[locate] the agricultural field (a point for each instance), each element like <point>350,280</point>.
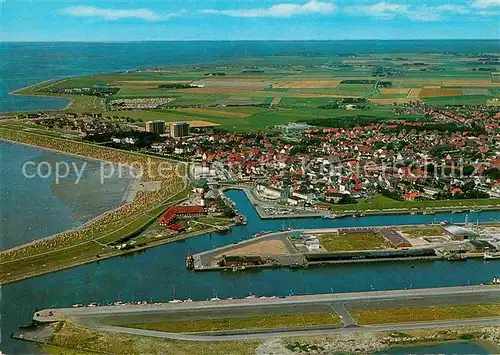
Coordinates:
<point>255,93</point>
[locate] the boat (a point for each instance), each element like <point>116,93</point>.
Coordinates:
<point>189,262</point>
<point>329,216</point>
<point>456,257</point>
<point>175,301</point>
<point>429,212</point>
<point>77,305</point>
<point>239,268</point>
<point>456,211</point>
<point>491,255</point>
<point>476,210</point>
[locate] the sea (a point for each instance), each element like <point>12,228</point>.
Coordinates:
<point>36,204</point>
<point>36,208</point>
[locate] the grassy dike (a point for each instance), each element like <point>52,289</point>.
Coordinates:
<point>381,204</point>
<point>257,322</point>
<point>72,339</point>
<point>79,340</point>
<point>79,246</point>
<point>425,314</point>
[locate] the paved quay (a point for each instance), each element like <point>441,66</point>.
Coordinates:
<point>294,212</point>
<point>110,318</point>
<point>207,260</point>
<point>444,295</point>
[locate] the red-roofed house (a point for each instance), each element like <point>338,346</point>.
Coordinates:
<point>183,211</point>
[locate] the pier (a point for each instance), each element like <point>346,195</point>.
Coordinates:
<point>113,318</point>
<point>286,249</point>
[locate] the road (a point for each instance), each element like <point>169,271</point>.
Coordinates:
<point>109,318</point>
<point>293,333</point>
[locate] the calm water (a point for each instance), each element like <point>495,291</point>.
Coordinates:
<point>25,64</point>
<point>38,207</point>
<point>159,273</point>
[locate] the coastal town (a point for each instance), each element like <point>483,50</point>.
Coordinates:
<point>451,155</point>
<point>369,176</point>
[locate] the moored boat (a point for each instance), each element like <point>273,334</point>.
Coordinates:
<point>329,216</point>
<point>491,255</point>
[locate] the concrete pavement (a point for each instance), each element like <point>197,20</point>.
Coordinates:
<point>114,316</point>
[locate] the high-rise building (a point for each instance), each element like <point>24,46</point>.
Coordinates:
<point>155,127</point>
<point>179,129</point>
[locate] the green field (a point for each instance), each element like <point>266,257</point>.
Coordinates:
<point>76,340</point>
<point>258,322</point>
<point>459,100</point>
<point>259,81</point>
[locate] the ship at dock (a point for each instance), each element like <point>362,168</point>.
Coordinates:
<point>491,255</point>
<point>189,262</point>
<point>455,257</point>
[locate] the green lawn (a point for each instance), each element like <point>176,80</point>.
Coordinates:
<point>423,231</point>
<point>436,313</point>
<point>379,202</point>
<point>352,241</point>
<point>215,221</point>
<point>77,340</point>
<point>258,322</point>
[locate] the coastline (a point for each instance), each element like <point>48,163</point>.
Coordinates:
<point>127,198</point>
<point>113,255</point>
<point>87,235</point>
<point>20,92</point>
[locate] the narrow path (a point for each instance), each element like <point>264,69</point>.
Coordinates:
<point>344,314</point>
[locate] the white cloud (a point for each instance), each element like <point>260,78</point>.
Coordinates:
<point>385,10</point>
<point>434,13</point>
<point>284,10</point>
<point>425,13</point>
<point>116,14</point>
<point>381,10</point>
<point>489,13</point>
<point>483,4</point>
<point>455,9</point>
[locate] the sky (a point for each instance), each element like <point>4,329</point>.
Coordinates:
<point>138,20</point>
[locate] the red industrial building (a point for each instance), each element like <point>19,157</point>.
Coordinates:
<point>396,239</point>
<point>180,211</point>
